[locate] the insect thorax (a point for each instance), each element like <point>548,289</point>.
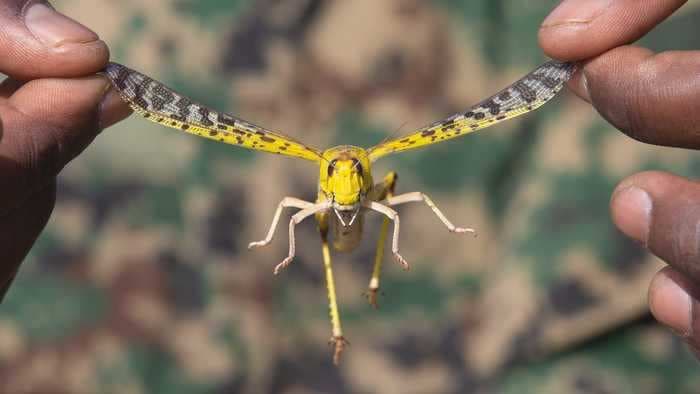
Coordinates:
<point>345,174</point>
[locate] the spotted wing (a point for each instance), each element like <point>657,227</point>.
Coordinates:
<point>525,95</point>
<point>158,103</point>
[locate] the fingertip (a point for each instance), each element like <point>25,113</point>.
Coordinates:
<point>578,84</point>
<point>577,30</point>
<point>556,41</point>
<point>632,202</point>
<point>54,29</point>
<point>112,109</point>
<point>631,212</point>
<point>62,102</point>
<point>565,34</point>
<point>37,41</point>
<point>670,303</point>
<point>672,230</point>
<point>67,61</point>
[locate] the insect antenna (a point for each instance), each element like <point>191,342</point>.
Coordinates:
<point>393,133</point>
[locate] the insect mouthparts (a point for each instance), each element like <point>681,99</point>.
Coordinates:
<point>340,217</point>
<point>344,216</point>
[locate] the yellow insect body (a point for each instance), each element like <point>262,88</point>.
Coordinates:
<point>346,188</point>
<point>345,178</point>
<point>345,174</point>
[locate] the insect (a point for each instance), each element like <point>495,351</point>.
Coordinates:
<point>346,189</point>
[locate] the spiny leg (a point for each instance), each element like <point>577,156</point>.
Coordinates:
<point>392,215</point>
<point>385,190</point>
<point>417,197</point>
<point>337,339</point>
<point>296,219</point>
<point>287,202</point>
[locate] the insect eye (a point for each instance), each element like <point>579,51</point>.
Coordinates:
<point>331,167</point>
<point>356,164</point>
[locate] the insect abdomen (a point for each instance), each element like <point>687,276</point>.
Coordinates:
<point>346,238</point>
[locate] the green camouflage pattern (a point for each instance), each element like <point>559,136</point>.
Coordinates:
<point>142,283</point>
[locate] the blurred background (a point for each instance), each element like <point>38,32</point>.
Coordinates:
<point>142,282</point>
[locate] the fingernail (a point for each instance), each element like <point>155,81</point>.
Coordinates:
<point>575,12</point>
<point>583,84</point>
<point>670,304</point>
<point>631,212</point>
<point>579,84</point>
<point>55,29</point>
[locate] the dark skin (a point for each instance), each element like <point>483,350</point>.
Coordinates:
<point>651,98</point>
<point>49,120</point>
<point>52,106</point>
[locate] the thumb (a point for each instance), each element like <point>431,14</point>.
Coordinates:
<point>37,41</point>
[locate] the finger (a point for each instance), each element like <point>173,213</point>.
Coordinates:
<point>651,98</point>
<point>48,123</point>
<point>67,102</point>
<point>662,211</point>
<point>37,41</point>
<point>673,300</point>
<point>578,30</point>
<point>20,228</point>
<point>112,109</point>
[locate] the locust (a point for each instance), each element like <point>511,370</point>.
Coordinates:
<point>346,188</point>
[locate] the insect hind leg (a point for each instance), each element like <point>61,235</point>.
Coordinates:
<point>337,339</point>
<point>384,190</point>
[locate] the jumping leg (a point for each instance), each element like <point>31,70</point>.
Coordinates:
<point>337,340</point>
<point>384,190</point>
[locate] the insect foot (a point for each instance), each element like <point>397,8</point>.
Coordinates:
<point>282,265</point>
<point>371,295</point>
<point>339,344</point>
<point>401,261</point>
<point>462,230</point>
<point>257,244</point>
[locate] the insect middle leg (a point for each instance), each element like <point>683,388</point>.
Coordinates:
<point>337,339</point>
<point>392,215</point>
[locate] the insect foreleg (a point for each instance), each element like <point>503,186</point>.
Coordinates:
<point>287,202</point>
<point>296,219</point>
<point>417,197</point>
<point>392,215</point>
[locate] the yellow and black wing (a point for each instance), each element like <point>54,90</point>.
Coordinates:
<point>525,95</point>
<point>158,103</point>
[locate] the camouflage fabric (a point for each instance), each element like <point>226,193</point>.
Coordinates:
<point>142,283</point>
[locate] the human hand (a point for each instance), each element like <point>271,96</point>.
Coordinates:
<point>51,107</point>
<point>652,98</point>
